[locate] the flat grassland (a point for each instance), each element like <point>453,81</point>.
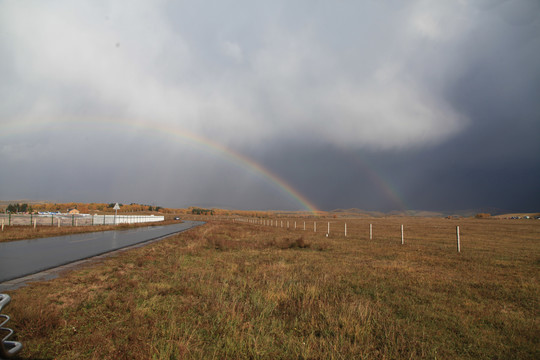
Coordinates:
<point>242,291</point>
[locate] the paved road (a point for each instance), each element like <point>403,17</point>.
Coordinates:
<point>25,257</point>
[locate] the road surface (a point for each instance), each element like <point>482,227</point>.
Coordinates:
<point>26,257</point>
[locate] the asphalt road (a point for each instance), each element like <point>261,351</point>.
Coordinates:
<point>26,257</point>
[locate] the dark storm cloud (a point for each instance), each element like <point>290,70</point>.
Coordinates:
<point>493,162</point>
<point>376,105</point>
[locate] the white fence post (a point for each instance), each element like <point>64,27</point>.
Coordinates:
<point>345,229</point>
<point>314,226</point>
<point>370,231</point>
<point>458,243</point>
<point>402,239</point>
<point>328,232</point>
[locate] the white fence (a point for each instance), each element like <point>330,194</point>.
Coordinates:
<point>124,219</point>
<point>75,220</point>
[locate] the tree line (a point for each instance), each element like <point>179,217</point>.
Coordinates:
<point>19,208</point>
<point>83,208</point>
<point>199,211</point>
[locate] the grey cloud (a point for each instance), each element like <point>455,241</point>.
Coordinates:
<point>437,97</point>
<point>306,80</point>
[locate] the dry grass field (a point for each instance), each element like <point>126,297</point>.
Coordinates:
<point>242,291</point>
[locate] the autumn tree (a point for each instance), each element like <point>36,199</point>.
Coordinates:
<point>18,208</point>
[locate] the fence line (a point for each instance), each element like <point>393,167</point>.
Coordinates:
<point>268,223</point>
<point>75,219</point>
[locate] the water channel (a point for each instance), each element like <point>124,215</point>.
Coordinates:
<point>26,257</point>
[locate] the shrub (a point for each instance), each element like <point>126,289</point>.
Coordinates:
<point>482,215</point>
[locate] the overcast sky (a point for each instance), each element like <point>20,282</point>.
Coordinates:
<point>377,105</point>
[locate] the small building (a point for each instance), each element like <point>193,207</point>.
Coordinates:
<point>73,211</point>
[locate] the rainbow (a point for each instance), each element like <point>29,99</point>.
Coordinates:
<point>241,160</point>
<point>377,180</point>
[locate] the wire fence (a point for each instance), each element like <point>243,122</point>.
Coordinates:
<point>74,219</point>
<point>515,237</point>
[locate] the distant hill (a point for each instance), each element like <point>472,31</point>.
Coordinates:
<point>419,213</point>
<point>342,213</point>
<point>424,213</point>
<point>4,203</point>
<point>365,213</point>
<point>473,212</point>
<point>357,213</point>
<point>24,201</point>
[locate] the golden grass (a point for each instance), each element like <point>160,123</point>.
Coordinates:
<point>240,291</point>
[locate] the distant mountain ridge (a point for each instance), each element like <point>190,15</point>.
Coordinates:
<point>342,212</point>
<point>423,213</point>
